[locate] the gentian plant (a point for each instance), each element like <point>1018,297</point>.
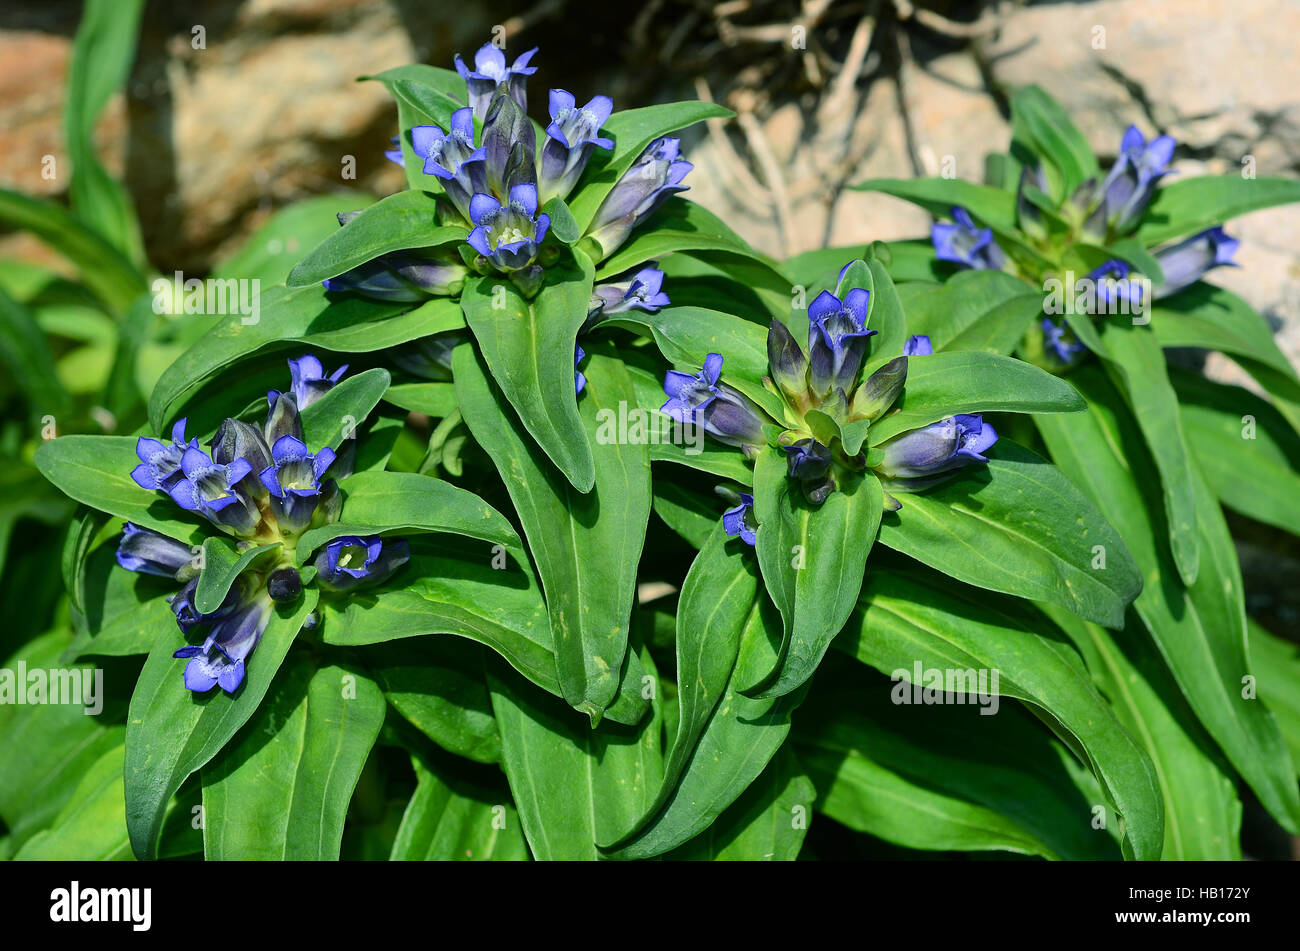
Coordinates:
<point>582,530</point>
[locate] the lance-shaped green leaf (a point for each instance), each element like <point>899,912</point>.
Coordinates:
<point>128,612</point>
<point>1200,630</point>
<point>972,310</point>
<point>92,826</point>
<point>887,763</point>
<point>1260,476</point>
<point>426,95</point>
<point>384,503</point>
<point>632,131</point>
<point>26,356</point>
<point>767,823</point>
<point>1278,663</point>
<point>813,558</point>
<point>529,349</point>
<point>574,784</point>
<point>717,598</point>
<point>96,471</point>
<point>1138,364</point>
<point>281,789</point>
<point>905,623</point>
<point>335,416</point>
<point>742,737</point>
<point>458,815</point>
<point>1202,811</point>
<point>400,222</point>
<point>886,319</point>
<point>681,225</point>
<point>437,400</point>
<point>171,733</point>
<point>1038,121</point>
<point>1194,204</point>
<point>223,562</point>
<point>939,196</point>
<point>944,384</point>
<point>1019,526</point>
<point>586,546</point>
<point>307,317</point>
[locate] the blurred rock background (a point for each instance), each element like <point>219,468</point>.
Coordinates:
<point>210,140</point>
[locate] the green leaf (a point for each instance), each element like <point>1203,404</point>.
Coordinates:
<point>334,417</point>
<point>1189,205</point>
<point>681,225</point>
<point>48,748</point>
<point>92,826</point>
<point>529,349</point>
<point>1278,663</point>
<point>1135,358</point>
<point>271,252</point>
<point>399,222</point>
<point>1259,478</point>
<point>632,131</point>
<point>1039,117</point>
<point>813,558</point>
<point>574,784</point>
<point>939,196</point>
<point>767,823</point>
<point>280,790</point>
<point>586,546</point>
<point>426,95</point>
<point>380,502</point>
<point>128,612</point>
<point>437,400</point>
<point>112,278</point>
<point>223,562</point>
<point>171,733</point>
<point>96,471</point>
<point>25,354</point>
<point>943,384</point>
<point>563,226</point>
<point>1202,811</point>
<point>742,737</point>
<point>102,53</point>
<point>457,815</point>
<point>1201,630</point>
<point>906,622</point>
<point>717,598</point>
<point>1020,527</point>
<point>972,310</point>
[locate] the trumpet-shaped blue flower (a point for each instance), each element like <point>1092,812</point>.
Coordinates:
<point>490,71</point>
<point>579,381</point>
<point>1130,184</point>
<point>642,291</point>
<point>211,489</point>
<point>294,481</point>
<point>1060,343</point>
<point>508,235</point>
<point>160,463</point>
<point>918,346</point>
<point>837,339</point>
<point>937,449</point>
<point>151,553</point>
<point>726,415</point>
<point>570,138</point>
<point>653,177</point>
<point>1113,285</point>
<point>453,158</point>
<point>740,520</point>
<point>964,244</point>
<point>221,659</point>
<point>1187,262</point>
<point>350,561</point>
<point>308,381</point>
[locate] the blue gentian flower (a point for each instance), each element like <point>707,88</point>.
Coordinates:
<point>655,175</point>
<point>964,244</point>
<point>394,154</point>
<point>1060,343</point>
<point>308,381</point>
<point>402,277</point>
<point>579,381</point>
<point>1113,285</point>
<point>1130,184</point>
<point>490,71</point>
<point>937,449</point>
<point>726,415</point>
<point>809,461</point>
<point>787,363</point>
<point>837,339</point>
<point>740,520</point>
<point>151,553</point>
<point>508,235</point>
<point>187,615</point>
<point>160,463</point>
<point>643,291</point>
<point>350,561</point>
<point>570,138</point>
<point>1187,262</point>
<point>210,488</point>
<point>452,157</point>
<point>918,346</point>
<point>294,481</point>
<point>221,659</point>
